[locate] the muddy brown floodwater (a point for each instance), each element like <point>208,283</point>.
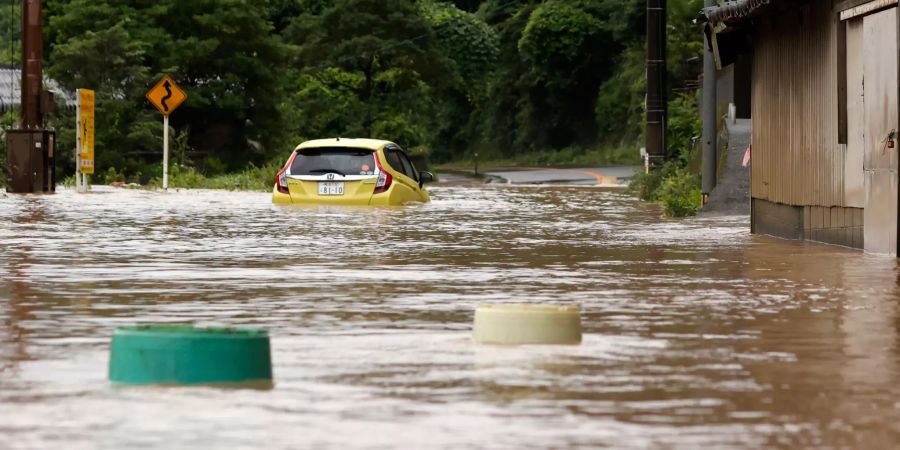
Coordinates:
<point>697,333</point>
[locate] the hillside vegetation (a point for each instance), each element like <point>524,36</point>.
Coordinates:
<point>554,80</point>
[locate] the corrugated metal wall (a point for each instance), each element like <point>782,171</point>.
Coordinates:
<point>796,156</point>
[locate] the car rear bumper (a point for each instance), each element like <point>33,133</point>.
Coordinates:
<point>384,199</point>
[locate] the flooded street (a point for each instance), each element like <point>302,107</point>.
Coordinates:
<point>696,333</point>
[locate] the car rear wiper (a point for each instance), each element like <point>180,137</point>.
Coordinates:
<point>328,171</point>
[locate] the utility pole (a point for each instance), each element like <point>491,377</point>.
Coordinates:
<point>657,108</point>
<point>32,64</point>
<point>709,116</point>
<point>30,149</point>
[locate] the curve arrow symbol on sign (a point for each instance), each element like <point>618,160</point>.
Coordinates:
<point>167,96</point>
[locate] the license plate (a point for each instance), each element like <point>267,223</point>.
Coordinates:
<point>331,188</point>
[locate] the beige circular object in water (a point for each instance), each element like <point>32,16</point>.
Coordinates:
<point>527,324</point>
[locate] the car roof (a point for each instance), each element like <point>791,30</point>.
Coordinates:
<point>371,144</point>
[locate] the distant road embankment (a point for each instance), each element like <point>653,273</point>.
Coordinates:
<point>583,176</point>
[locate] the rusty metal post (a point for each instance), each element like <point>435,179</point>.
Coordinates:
<point>709,116</point>
<point>30,150</point>
<point>32,64</point>
<point>656,79</point>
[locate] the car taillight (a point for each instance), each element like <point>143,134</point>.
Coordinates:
<point>281,179</point>
<point>384,178</point>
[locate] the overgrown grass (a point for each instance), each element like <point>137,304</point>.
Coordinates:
<point>250,179</point>
<point>181,177</point>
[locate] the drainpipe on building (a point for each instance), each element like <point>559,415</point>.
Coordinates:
<point>709,116</point>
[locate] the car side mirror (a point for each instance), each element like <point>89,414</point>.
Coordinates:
<point>425,177</point>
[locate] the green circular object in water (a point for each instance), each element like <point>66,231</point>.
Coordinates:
<point>179,354</point>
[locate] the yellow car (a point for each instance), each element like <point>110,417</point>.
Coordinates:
<point>350,172</point>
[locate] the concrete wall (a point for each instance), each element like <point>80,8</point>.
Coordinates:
<point>724,88</point>
<point>733,86</point>
<point>834,225</point>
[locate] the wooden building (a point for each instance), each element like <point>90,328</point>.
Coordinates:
<point>824,100</point>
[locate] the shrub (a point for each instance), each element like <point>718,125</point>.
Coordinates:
<point>675,187</point>
<point>3,163</point>
<point>647,185</point>
<point>680,193</point>
<point>675,184</point>
<point>111,175</point>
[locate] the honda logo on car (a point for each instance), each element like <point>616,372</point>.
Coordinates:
<point>330,176</point>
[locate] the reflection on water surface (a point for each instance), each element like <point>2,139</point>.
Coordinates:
<point>696,332</point>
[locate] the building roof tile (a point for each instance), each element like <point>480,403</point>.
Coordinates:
<point>733,11</point>
<point>11,90</point>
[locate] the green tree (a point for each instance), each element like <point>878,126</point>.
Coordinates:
<point>619,107</point>
<point>569,47</point>
<point>224,53</point>
<point>502,76</point>
<point>102,46</point>
<point>469,5</point>
<point>498,122</point>
<point>472,47</point>
<point>369,67</point>
<point>555,55</point>
<point>470,43</point>
<point>10,29</point>
<point>684,41</point>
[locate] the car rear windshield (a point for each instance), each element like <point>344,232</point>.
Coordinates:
<point>339,160</point>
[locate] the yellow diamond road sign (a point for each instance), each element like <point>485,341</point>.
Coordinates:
<point>166,96</point>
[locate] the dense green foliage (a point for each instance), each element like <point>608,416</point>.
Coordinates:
<point>555,81</point>
<point>10,11</point>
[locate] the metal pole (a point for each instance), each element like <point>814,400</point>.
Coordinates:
<point>656,79</point>
<point>78,143</point>
<point>29,164</point>
<point>32,64</point>
<point>165,152</point>
<point>709,116</point>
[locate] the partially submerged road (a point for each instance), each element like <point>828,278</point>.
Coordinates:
<point>589,176</point>
<point>697,334</point>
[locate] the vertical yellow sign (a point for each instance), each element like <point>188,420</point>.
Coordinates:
<point>86,130</point>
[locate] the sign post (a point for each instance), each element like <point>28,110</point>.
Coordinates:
<point>78,143</point>
<point>166,152</point>
<point>84,139</point>
<point>166,96</point>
